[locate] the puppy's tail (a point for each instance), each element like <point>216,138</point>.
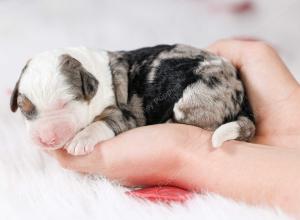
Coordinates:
<point>242,129</point>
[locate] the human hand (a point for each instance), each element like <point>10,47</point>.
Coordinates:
<point>273,92</point>
<point>151,155</point>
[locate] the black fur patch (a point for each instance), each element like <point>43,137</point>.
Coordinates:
<point>140,61</point>
<point>172,77</point>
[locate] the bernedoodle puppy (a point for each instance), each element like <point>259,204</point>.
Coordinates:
<point>78,97</point>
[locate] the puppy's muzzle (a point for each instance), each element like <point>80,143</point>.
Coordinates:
<point>53,131</point>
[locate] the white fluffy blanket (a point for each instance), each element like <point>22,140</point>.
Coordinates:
<point>33,186</point>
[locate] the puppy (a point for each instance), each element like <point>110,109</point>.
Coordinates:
<point>78,97</point>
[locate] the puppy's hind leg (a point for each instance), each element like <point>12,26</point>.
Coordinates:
<point>197,107</point>
<point>201,108</point>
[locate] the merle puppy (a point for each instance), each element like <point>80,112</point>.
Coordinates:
<point>77,97</point>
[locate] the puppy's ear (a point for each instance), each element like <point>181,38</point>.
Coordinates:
<point>89,84</point>
<point>15,93</point>
<point>14,98</point>
<point>69,63</point>
<point>84,83</point>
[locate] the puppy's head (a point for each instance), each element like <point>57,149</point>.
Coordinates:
<point>53,94</point>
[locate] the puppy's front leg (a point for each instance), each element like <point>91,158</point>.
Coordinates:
<point>111,122</point>
<point>85,140</point>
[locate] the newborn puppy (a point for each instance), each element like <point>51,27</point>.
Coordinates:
<point>78,97</point>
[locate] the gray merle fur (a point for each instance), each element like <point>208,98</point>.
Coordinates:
<point>177,82</point>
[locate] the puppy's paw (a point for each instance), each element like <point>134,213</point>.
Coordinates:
<point>84,142</point>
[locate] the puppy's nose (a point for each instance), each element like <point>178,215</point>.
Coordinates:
<point>48,140</point>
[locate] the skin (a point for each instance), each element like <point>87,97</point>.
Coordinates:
<point>265,171</point>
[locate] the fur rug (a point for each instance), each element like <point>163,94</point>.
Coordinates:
<point>33,186</point>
